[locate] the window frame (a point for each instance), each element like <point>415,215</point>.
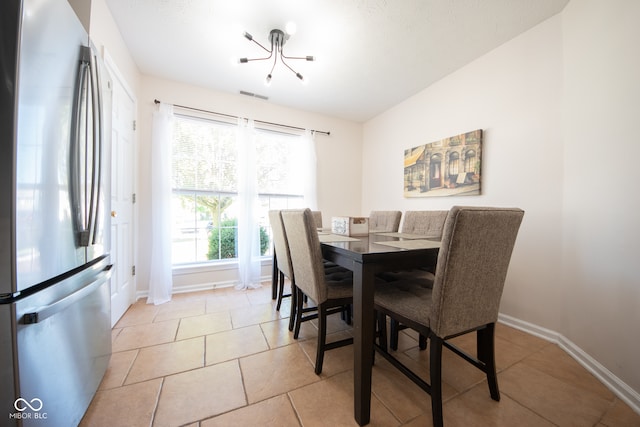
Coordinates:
<point>267,201</point>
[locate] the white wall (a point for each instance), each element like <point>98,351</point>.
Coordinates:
<point>601,230</point>
<point>514,95</point>
<point>338,157</point>
<point>558,105</point>
<point>106,37</point>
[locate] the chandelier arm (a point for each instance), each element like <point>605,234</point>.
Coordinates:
<point>282,58</point>
<point>292,70</point>
<point>307,58</point>
<point>244,60</point>
<point>257,59</point>
<point>275,60</point>
<point>267,50</point>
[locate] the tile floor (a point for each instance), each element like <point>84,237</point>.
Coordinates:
<point>226,358</point>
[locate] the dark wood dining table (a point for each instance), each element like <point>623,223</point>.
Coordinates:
<point>366,256</point>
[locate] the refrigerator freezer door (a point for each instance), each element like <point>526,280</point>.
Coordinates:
<point>51,44</point>
<point>64,345</point>
<point>7,377</point>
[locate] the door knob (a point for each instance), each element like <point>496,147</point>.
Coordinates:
<point>114,214</point>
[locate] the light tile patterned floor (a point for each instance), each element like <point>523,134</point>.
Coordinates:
<point>226,358</point>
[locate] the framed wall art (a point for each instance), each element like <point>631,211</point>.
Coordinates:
<point>449,167</point>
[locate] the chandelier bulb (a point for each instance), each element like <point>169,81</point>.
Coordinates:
<point>267,80</point>
<point>291,28</point>
<point>248,36</point>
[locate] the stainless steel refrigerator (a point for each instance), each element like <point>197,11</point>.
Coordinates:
<point>55,337</point>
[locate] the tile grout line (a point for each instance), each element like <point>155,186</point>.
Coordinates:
<point>293,406</point>
<point>157,403</point>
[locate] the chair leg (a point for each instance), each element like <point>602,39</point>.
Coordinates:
<point>435,371</point>
<point>486,354</point>
<point>274,276</point>
<point>382,330</point>
<point>347,314</point>
<point>299,302</point>
<point>322,337</point>
<point>393,334</point>
<point>422,342</point>
<point>292,312</point>
<point>280,290</point>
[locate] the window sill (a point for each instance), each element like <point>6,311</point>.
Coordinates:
<point>179,270</point>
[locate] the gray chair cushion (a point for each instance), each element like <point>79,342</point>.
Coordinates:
<point>424,277</point>
<point>409,298</point>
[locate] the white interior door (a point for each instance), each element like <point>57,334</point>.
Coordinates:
<point>122,196</point>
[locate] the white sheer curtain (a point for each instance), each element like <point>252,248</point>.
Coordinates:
<point>309,161</point>
<point>160,277</point>
<point>248,226</point>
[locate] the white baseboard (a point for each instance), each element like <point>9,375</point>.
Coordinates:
<point>618,387</point>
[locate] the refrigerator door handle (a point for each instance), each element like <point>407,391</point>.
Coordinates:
<point>43,313</point>
<point>79,163</point>
<point>97,144</point>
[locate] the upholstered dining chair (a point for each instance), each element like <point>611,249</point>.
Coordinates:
<point>332,292</point>
<point>317,218</point>
<point>384,221</point>
<point>428,223</point>
<point>283,260</point>
<point>472,266</point>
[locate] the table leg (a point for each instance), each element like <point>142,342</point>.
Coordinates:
<point>363,325</point>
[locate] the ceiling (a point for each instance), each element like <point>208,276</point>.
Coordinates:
<point>370,54</point>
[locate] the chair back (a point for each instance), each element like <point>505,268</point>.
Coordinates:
<point>472,266</point>
<point>428,223</point>
<point>317,218</point>
<point>280,243</point>
<point>306,253</point>
<point>384,221</point>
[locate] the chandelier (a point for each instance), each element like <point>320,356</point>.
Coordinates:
<point>277,38</point>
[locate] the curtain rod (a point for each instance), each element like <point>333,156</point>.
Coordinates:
<point>156,101</point>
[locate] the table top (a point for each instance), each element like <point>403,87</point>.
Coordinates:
<point>377,246</point>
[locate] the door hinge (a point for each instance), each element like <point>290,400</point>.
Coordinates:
<point>133,270</point>
<point>133,198</point>
<point>134,125</point>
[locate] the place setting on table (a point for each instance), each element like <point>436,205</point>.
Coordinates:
<point>356,229</point>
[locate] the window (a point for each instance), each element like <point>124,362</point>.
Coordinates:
<point>454,163</point>
<point>205,187</point>
<point>470,162</point>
